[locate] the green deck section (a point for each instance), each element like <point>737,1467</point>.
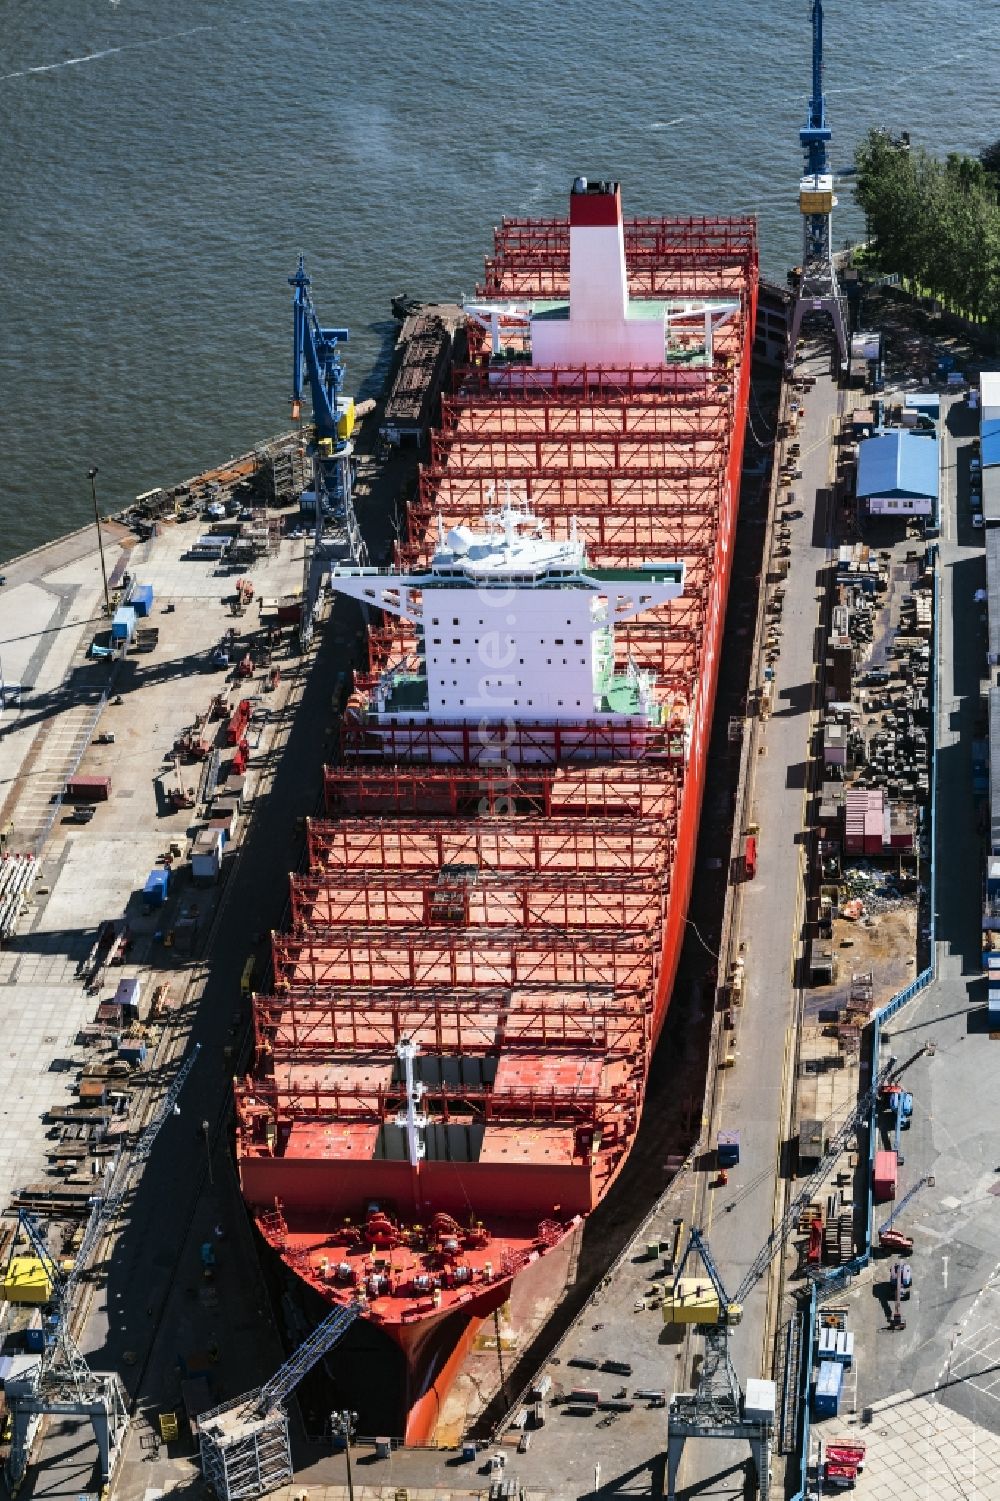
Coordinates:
<point>650,573</point>
<point>622,697</point>
<point>408,695</point>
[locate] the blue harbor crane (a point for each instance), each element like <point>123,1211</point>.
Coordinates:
<point>316,353</point>
<point>316,361</point>
<point>818,291</point>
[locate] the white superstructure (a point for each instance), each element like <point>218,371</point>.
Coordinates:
<point>512,624</point>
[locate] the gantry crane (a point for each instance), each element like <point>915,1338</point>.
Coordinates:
<point>818,291</point>
<point>62,1384</point>
<point>716,1408</point>
<point>244,1444</point>
<point>316,361</point>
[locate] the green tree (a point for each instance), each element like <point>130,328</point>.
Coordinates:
<point>935,223</point>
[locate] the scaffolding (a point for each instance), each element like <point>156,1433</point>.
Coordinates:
<point>244,1444</point>
<point>488,904</point>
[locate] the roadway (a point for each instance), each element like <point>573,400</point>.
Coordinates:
<point>755,1095</point>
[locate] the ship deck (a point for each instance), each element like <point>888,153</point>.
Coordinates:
<point>511,920</point>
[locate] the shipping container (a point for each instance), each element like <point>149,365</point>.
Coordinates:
<point>127,996</point>
<point>236,726</point>
<point>154,893</point>
<point>750,857</point>
<point>728,1148</point>
<point>829,1383</point>
<point>836,1344</point>
<point>84,789</point>
<point>34,1333</point>
<point>206,856</point>
<point>141,599</point>
<point>884,1184</point>
<point>123,624</point>
<point>759,1401</point>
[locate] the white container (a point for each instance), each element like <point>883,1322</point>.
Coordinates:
<point>759,1404</point>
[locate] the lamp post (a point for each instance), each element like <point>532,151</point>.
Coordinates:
<point>92,476</point>
<point>206,1131</point>
<point>343,1425</point>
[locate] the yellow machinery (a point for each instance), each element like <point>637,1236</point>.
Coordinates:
<point>27,1280</point>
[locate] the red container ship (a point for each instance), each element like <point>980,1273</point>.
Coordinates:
<point>450,1071</point>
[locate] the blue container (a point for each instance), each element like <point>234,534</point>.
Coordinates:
<point>829,1382</point>
<point>123,624</point>
<point>141,599</point>
<point>155,890</point>
<point>728,1148</point>
<point>34,1334</point>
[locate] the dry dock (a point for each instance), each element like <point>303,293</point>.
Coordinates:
<point>153,1315</point>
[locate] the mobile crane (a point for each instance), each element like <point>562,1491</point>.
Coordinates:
<point>894,1240</point>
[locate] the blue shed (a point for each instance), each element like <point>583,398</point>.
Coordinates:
<point>898,473</point>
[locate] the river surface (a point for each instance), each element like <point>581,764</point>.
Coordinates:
<point>162,164</point>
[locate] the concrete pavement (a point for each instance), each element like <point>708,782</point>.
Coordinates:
<point>754,1097</point>
<point>927,1398</point>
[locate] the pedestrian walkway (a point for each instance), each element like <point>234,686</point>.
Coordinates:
<point>926,1450</point>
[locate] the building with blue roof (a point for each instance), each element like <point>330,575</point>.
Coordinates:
<point>898,473</point>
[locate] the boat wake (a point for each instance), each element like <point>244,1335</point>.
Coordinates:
<point>93,57</point>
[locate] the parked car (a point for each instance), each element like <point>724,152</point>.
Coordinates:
<point>977,520</point>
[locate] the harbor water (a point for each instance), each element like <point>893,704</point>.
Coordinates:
<point>161,167</point>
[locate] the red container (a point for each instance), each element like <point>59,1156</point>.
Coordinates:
<point>750,856</point>
<point>884,1185</point>
<point>81,789</point>
<point>239,722</point>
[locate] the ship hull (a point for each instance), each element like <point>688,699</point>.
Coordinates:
<point>451,1073</point>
